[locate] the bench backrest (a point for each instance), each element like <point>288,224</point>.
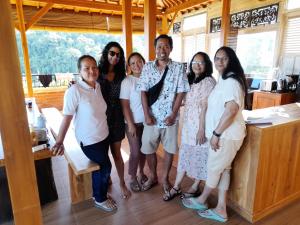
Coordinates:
<point>73,153</point>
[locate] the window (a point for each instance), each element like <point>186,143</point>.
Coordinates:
<point>292,36</point>
<point>176,52</point>
<point>256,53</point>
<point>214,45</point>
<point>293,4</point>
<point>189,48</point>
<point>200,43</point>
<point>193,22</point>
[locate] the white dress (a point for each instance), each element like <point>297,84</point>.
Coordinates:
<point>193,157</point>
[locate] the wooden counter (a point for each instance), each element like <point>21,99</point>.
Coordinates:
<point>266,170</point>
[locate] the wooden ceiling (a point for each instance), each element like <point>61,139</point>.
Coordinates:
<point>70,13</point>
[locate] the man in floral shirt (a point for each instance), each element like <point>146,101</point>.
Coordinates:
<point>161,119</point>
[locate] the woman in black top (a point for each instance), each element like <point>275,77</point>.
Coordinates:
<point>112,67</point>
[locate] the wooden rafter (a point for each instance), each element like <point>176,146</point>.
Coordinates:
<point>185,5</point>
<point>94,5</point>
<point>38,15</point>
<point>172,21</point>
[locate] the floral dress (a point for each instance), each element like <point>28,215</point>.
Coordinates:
<point>193,157</point>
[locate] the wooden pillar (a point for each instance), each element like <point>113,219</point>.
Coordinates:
<point>164,25</point>
<point>127,26</point>
<point>19,7</point>
<point>150,28</point>
<point>14,129</point>
<point>225,25</point>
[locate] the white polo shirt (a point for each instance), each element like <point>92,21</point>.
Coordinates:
<point>88,107</point>
<point>225,91</point>
<point>129,92</point>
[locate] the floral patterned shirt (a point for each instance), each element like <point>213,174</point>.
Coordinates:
<point>175,82</point>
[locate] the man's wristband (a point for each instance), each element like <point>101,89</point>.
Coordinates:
<point>216,134</point>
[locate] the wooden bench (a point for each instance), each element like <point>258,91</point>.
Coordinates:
<point>79,166</point>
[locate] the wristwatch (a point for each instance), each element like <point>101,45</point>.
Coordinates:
<point>216,134</point>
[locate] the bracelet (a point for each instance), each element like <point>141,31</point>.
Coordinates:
<point>216,134</point>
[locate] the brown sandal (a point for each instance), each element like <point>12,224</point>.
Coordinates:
<point>172,193</point>
<point>135,186</point>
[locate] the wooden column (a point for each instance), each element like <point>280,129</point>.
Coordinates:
<point>127,26</point>
<point>14,129</point>
<point>150,28</point>
<point>164,25</point>
<point>19,8</point>
<point>225,25</point>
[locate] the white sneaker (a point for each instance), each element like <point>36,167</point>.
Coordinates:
<point>107,205</point>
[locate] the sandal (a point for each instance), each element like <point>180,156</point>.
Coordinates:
<point>142,179</point>
<point>190,194</point>
<point>149,184</point>
<point>172,193</point>
<point>135,186</point>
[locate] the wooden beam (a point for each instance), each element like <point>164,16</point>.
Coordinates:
<point>81,30</point>
<point>20,14</point>
<point>38,15</point>
<point>150,28</point>
<point>127,26</point>
<point>225,24</point>
<point>185,5</point>
<point>14,129</point>
<point>172,22</point>
<point>95,5</point>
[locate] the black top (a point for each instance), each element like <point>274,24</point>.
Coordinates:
<point>115,119</point>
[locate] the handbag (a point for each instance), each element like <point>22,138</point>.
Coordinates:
<point>154,92</point>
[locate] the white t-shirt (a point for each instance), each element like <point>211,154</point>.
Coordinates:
<point>89,108</point>
<point>225,91</point>
<point>129,92</point>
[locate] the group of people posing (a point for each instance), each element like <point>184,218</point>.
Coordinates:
<point>106,104</point>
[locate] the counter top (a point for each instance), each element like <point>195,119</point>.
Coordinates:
<point>277,115</point>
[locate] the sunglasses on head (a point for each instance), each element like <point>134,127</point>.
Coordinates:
<point>112,54</point>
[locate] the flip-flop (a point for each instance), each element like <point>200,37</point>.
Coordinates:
<point>191,203</point>
<point>149,184</point>
<point>212,215</point>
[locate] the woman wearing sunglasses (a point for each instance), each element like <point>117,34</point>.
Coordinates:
<point>193,151</point>
<point>112,67</point>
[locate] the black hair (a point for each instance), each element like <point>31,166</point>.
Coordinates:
<point>81,58</point>
<point>207,72</point>
<point>119,68</point>
<point>164,36</point>
<point>135,54</point>
<point>234,66</point>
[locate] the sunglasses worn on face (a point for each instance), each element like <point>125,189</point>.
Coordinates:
<point>112,54</point>
<point>198,63</point>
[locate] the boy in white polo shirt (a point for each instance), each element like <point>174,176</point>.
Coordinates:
<point>85,102</point>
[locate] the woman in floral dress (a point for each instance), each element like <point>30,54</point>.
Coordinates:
<point>193,151</point>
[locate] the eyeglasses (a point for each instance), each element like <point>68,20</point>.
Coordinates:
<point>220,59</point>
<point>112,54</point>
<point>198,63</point>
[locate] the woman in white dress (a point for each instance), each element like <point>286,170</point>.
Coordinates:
<point>193,151</point>
<point>225,128</point>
